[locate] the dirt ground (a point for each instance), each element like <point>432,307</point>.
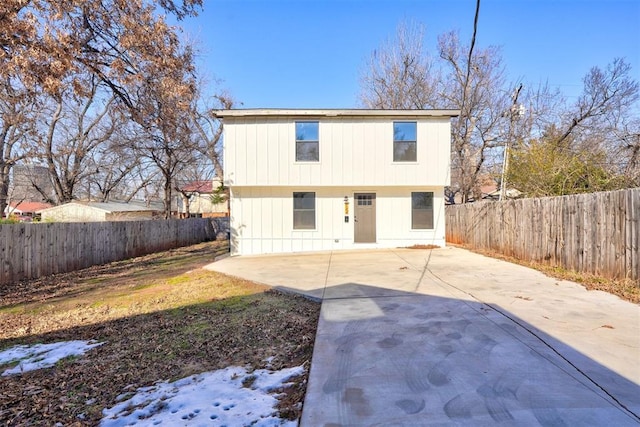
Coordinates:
<point>162,318</point>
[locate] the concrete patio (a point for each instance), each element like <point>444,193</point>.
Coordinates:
<point>446,336</point>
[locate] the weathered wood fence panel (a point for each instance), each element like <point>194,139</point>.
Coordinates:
<point>596,233</point>
<point>29,251</point>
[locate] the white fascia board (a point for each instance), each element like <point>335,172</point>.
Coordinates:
<point>276,112</point>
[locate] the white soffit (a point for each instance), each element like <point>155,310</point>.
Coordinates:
<point>276,112</point>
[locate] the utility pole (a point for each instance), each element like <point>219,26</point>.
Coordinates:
<point>515,112</point>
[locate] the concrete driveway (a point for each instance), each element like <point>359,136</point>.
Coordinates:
<point>439,337</point>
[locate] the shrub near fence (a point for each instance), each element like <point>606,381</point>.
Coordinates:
<point>596,233</point>
<point>29,251</point>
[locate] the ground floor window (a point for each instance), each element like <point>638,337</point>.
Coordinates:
<point>304,210</point>
<point>422,210</point>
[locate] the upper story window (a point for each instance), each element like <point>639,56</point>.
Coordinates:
<point>405,141</point>
<point>307,142</point>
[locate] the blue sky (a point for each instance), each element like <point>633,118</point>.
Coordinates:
<point>310,53</point>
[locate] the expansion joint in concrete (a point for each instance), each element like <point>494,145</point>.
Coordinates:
<point>326,276</point>
<point>542,340</point>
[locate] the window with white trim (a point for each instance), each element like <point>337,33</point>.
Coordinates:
<point>307,142</point>
<point>304,210</point>
<point>422,210</point>
<point>405,141</point>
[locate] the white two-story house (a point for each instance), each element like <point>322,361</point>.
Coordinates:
<point>309,180</point>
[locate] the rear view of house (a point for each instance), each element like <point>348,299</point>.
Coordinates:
<point>303,180</point>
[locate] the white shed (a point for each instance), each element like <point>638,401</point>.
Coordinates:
<point>98,211</point>
<point>304,180</point>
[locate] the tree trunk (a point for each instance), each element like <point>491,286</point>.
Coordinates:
<point>4,187</point>
<point>167,199</point>
<point>187,205</point>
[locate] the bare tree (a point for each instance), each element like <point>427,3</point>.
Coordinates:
<point>542,106</point>
<point>168,139</point>
<point>627,150</point>
<point>129,51</point>
<point>603,119</point>
<point>606,94</point>
<point>471,79</point>
<point>591,145</point>
<point>209,130</point>
<point>170,151</point>
<point>76,128</point>
<point>475,85</point>
<point>399,75</point>
<point>402,75</point>
<point>16,114</point>
<point>206,161</point>
<point>116,165</point>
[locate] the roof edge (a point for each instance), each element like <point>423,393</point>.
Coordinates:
<point>279,112</point>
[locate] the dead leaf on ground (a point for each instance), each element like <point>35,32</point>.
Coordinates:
<point>165,319</point>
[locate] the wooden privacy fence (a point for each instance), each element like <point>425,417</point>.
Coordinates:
<point>29,251</point>
<point>596,233</point>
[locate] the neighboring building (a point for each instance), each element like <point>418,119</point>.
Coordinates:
<point>199,195</point>
<point>25,211</point>
<point>25,179</point>
<point>510,193</point>
<point>304,180</point>
<point>489,190</point>
<point>96,211</point>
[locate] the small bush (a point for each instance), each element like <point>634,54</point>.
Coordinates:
<point>11,220</point>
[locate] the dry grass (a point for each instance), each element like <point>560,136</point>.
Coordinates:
<point>161,317</point>
<point>417,246</point>
<point>626,289</point>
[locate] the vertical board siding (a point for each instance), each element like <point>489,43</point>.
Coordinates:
<point>596,233</point>
<point>29,251</point>
<point>262,219</point>
<point>353,152</point>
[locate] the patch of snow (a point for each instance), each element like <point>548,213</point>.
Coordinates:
<point>269,361</point>
<point>38,356</point>
<point>212,398</point>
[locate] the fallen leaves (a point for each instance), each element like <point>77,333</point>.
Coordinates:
<point>161,332</point>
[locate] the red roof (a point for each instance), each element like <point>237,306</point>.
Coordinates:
<point>199,187</point>
<point>29,206</point>
<point>488,188</point>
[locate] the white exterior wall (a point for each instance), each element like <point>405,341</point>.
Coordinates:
<point>77,212</point>
<point>262,219</point>
<point>72,212</point>
<point>201,203</point>
<point>353,151</point>
<point>355,156</point>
